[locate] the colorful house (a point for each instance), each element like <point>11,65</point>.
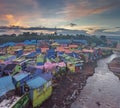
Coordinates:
<point>78,66</point>
<point>19,81</point>
<point>29,48</point>
<point>49,67</point>
<point>55,44</point>
<point>23,102</point>
<point>38,50</point>
<point>61,67</point>
<point>30,55</point>
<point>44,50</point>
<point>40,59</point>
<point>88,54</point>
<point>51,53</point>
<point>35,70</point>
<point>6,85</point>
<point>7,58</point>
<point>12,49</point>
<point>22,62</point>
<point>39,90</point>
<point>73,46</point>
<point>71,66</point>
<point>3,50</point>
<point>47,76</point>
<point>18,52</point>
<point>12,69</point>
<point>2,66</point>
<point>75,66</point>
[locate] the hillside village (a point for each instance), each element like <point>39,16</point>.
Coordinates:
<point>45,73</point>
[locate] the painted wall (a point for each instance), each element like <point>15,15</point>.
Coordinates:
<point>40,95</point>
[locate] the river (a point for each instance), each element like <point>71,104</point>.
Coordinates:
<point>102,90</point>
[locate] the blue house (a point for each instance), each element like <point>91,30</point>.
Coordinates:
<point>6,85</point>
<point>19,81</point>
<point>31,55</point>
<point>47,76</point>
<point>20,78</point>
<point>51,53</point>
<point>19,52</point>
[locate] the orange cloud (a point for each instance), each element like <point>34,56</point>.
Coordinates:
<point>12,20</point>
<point>9,16</point>
<point>102,9</point>
<point>16,12</point>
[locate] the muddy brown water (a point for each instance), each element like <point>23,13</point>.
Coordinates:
<point>102,90</point>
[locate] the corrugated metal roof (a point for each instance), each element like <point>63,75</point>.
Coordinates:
<point>36,82</point>
<point>20,76</point>
<point>6,85</point>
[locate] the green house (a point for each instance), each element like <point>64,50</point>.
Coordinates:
<point>23,102</point>
<point>12,69</point>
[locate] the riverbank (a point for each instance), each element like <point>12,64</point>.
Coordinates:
<point>114,66</point>
<point>101,89</point>
<point>68,87</point>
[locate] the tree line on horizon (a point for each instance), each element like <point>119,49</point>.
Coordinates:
<point>35,36</point>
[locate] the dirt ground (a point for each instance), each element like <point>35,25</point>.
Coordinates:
<point>68,87</point>
<point>114,66</point>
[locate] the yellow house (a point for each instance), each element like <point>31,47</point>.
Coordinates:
<point>40,90</point>
<point>29,48</point>
<point>71,66</point>
<point>12,49</point>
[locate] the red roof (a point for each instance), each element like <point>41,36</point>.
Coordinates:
<point>77,51</point>
<point>68,51</point>
<point>20,44</point>
<point>87,50</point>
<point>43,50</point>
<point>73,46</point>
<point>60,49</point>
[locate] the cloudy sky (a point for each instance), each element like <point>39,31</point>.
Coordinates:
<point>91,16</point>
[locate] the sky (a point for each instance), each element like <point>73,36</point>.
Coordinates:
<point>95,17</point>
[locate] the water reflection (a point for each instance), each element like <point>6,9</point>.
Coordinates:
<point>102,89</point>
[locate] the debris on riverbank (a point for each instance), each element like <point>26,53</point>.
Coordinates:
<point>114,66</point>
<point>68,87</point>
